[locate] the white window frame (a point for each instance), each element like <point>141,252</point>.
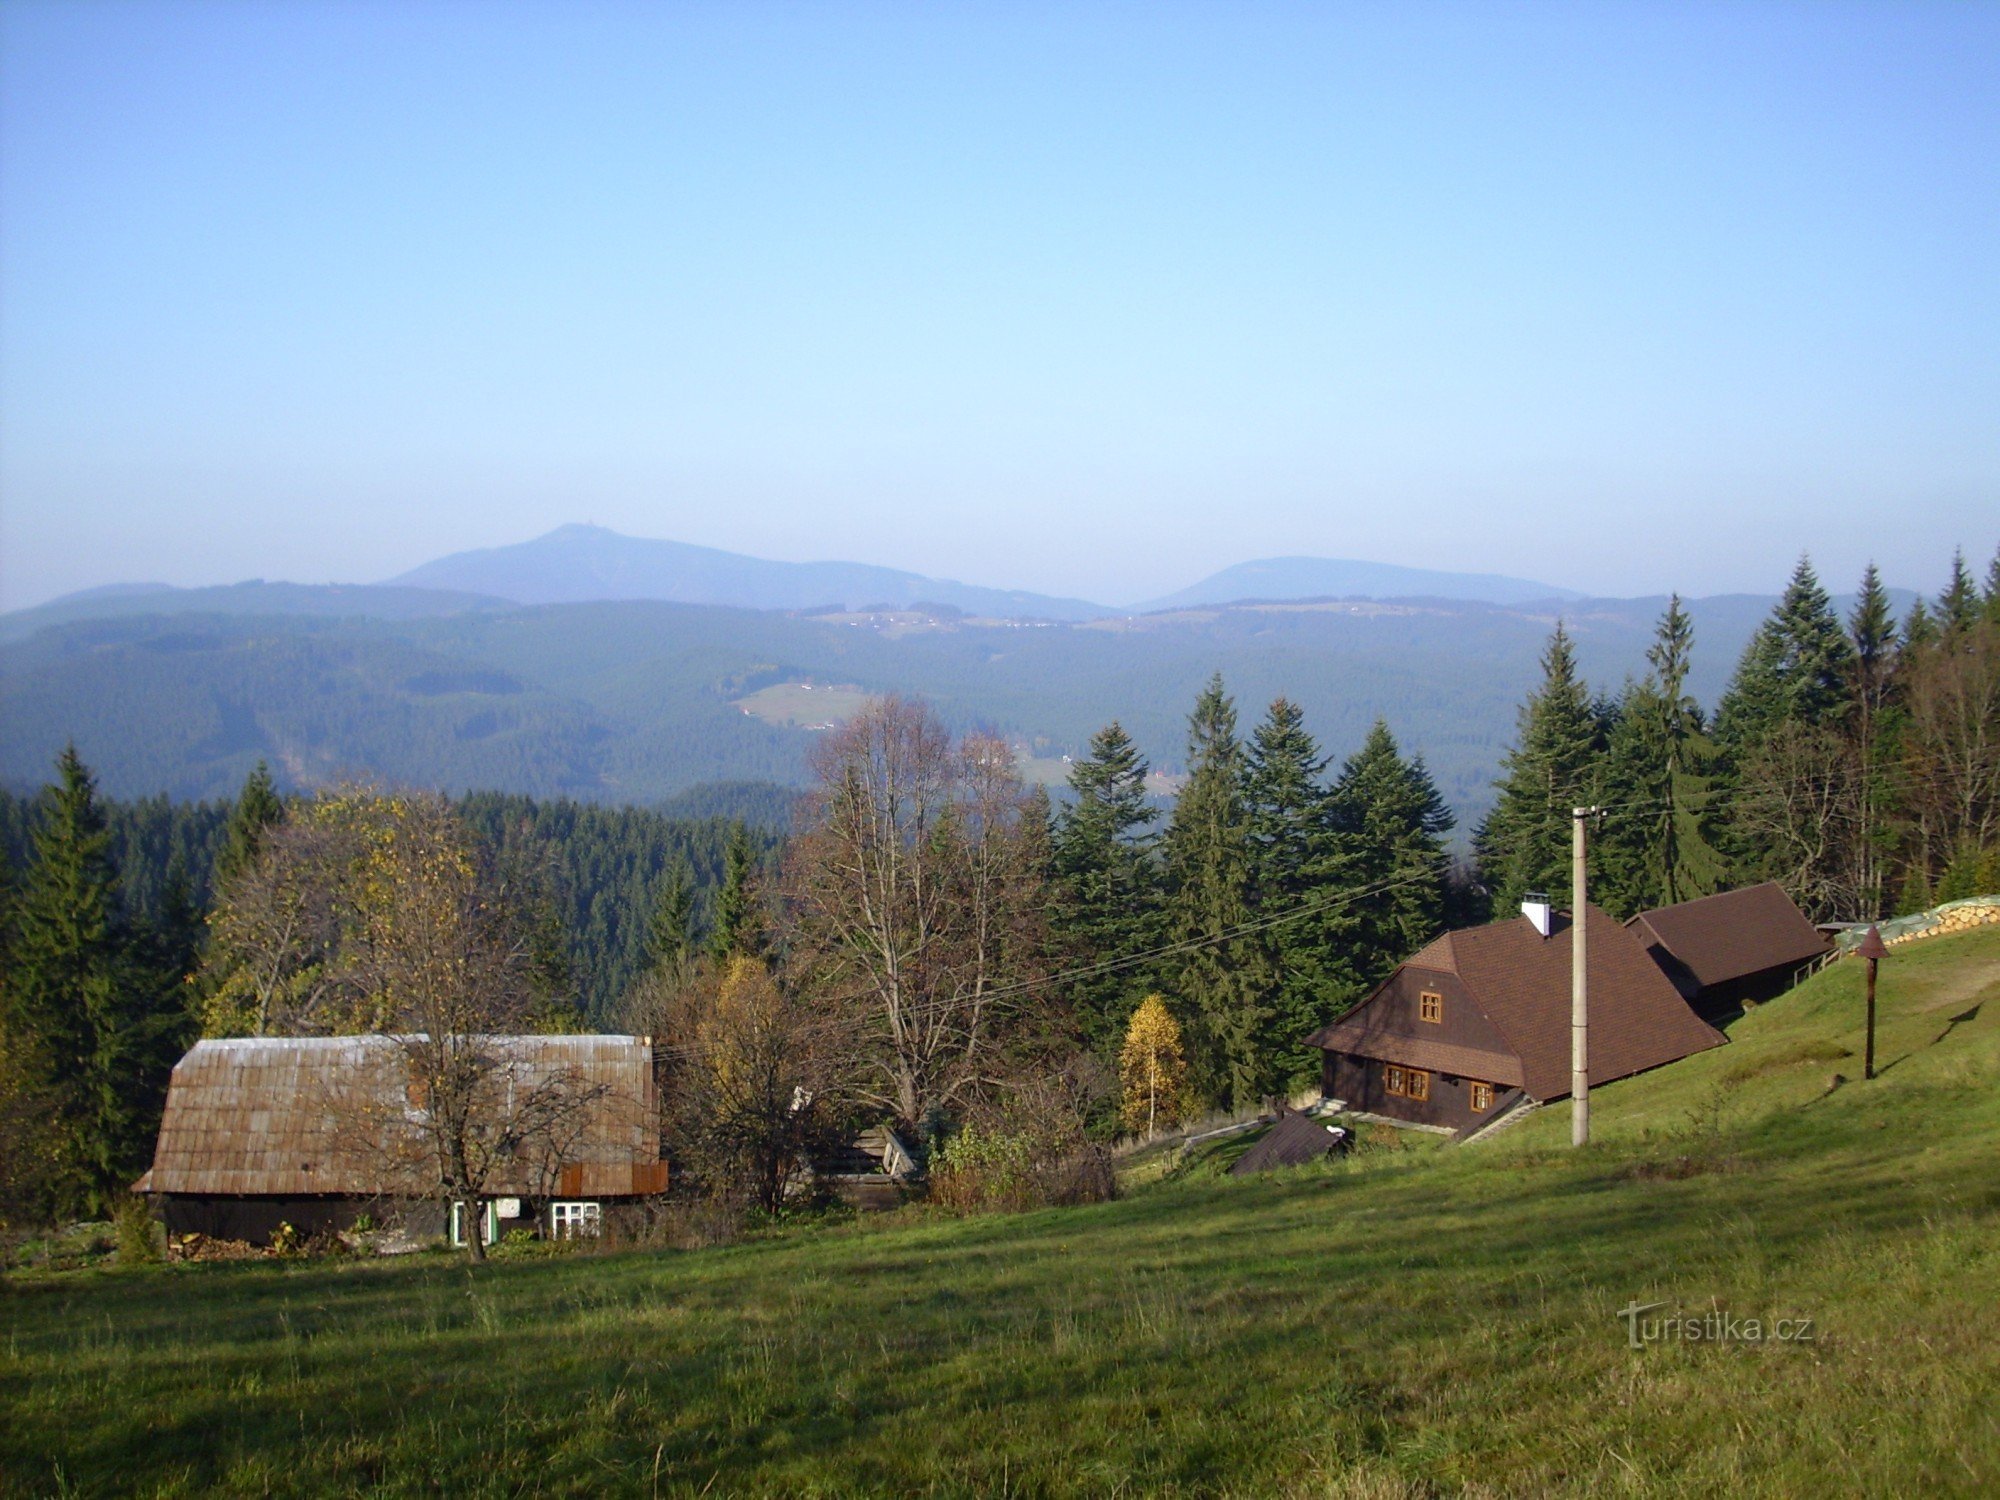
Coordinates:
<point>489,1219</point>
<point>576,1219</point>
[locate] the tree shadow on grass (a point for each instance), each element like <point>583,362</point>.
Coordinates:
<point>1951,1024</point>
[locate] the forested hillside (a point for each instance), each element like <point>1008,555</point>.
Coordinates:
<point>634,702</point>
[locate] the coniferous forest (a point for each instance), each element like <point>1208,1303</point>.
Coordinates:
<point>936,942</point>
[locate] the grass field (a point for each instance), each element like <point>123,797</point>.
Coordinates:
<point>804,705</point>
<point>1408,1322</point>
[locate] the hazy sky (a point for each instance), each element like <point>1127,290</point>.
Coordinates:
<point>1091,299</point>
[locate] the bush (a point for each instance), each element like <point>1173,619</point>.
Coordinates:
<point>138,1236</point>
<point>987,1170</point>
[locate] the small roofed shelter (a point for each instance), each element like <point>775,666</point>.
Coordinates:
<point>317,1132</point>
<point>1478,1021</point>
<point>1295,1140</point>
<point>1736,948</point>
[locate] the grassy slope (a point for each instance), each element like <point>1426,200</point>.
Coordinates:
<point>1409,1322</point>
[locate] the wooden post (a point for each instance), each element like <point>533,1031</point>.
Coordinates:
<point>1874,950</point>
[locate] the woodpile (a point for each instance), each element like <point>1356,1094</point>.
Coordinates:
<point>1958,916</point>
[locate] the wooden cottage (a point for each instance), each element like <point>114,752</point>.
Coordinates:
<point>1740,947</point>
<point>1479,1021</point>
<point>317,1132</point>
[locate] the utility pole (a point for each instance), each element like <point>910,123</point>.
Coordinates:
<point>1579,983</point>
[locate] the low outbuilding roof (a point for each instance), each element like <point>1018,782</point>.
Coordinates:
<point>1719,938</point>
<point>299,1116</point>
<point>1295,1140</point>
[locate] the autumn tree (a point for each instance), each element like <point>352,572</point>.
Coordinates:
<point>752,1081</point>
<point>915,903</point>
<point>1152,1069</point>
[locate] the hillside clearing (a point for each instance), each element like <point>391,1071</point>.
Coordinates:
<point>1402,1323</point>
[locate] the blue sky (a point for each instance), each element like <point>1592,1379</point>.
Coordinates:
<point>1091,299</point>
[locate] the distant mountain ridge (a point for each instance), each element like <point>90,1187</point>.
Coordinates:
<point>590,564</point>
<point>1281,578</point>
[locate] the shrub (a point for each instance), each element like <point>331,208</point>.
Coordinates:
<point>138,1236</point>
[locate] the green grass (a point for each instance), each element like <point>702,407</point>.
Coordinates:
<point>1407,1322</point>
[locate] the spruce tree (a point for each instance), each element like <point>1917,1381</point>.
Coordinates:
<point>1392,821</point>
<point>258,806</point>
<point>1959,606</point>
<point>670,935</point>
<point>739,927</point>
<point>1872,738</point>
<point>1523,845</point>
<point>1990,600</point>
<point>1294,856</point>
<point>1107,886</point>
<point>70,994</point>
<point>1657,845</point>
<point>1794,670</point>
<point>1220,981</point>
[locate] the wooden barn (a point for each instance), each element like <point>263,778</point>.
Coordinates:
<point>317,1132</point>
<point>1478,1021</point>
<point>1740,947</point>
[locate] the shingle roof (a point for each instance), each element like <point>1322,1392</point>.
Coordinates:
<point>1734,934</point>
<point>1293,1141</point>
<point>305,1115</point>
<point>1521,980</point>
<point>1356,1033</point>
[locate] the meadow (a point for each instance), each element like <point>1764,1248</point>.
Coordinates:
<point>1414,1320</point>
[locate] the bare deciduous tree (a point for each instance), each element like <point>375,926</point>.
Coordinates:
<point>915,896</point>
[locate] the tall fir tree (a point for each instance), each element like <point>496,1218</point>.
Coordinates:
<point>1793,671</point>
<point>670,937</point>
<point>1873,733</point>
<point>258,807</point>
<point>1392,821</point>
<point>1107,886</point>
<point>1294,855</point>
<point>1220,982</point>
<point>72,995</point>
<point>1959,607</point>
<point>1523,844</point>
<point>1657,846</point>
<point>739,921</point>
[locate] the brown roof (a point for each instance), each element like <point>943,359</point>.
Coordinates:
<point>305,1115</point>
<point>1293,1141</point>
<point>1520,981</point>
<point>1735,934</point>
<point>1356,1033</point>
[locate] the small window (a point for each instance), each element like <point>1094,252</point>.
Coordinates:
<point>1419,1084</point>
<point>1430,1005</point>
<point>575,1221</point>
<point>1392,1079</point>
<point>1482,1098</point>
<point>489,1223</point>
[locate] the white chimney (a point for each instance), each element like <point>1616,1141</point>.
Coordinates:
<point>1535,907</point>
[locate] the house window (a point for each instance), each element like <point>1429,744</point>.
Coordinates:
<point>489,1223</point>
<point>1419,1083</point>
<point>574,1221</point>
<point>1392,1079</point>
<point>1430,1005</point>
<point>1482,1097</point>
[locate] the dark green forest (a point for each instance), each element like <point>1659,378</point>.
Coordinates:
<point>631,703</point>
